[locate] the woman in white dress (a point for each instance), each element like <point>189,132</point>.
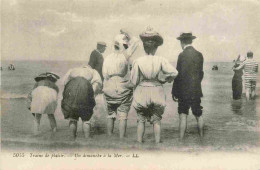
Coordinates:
<point>43,99</point>
<point>149,99</point>
<point>117,89</point>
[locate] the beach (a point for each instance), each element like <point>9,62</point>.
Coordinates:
<point>229,125</point>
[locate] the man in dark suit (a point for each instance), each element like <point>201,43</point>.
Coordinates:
<point>187,85</point>
<point>96,59</point>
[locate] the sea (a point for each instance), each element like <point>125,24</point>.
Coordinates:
<point>228,123</point>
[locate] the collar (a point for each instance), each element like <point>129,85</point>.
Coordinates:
<point>98,51</point>
<point>189,45</point>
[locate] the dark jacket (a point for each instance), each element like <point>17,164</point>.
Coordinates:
<point>96,62</point>
<point>187,84</point>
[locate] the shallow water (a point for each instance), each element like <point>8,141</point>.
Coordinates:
<point>229,124</point>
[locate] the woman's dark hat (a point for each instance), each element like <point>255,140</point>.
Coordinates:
<point>250,54</point>
<point>185,36</point>
<point>150,35</point>
<point>51,76</point>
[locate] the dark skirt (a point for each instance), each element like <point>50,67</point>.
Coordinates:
<point>78,99</point>
<point>237,88</point>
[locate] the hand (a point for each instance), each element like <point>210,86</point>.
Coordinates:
<point>169,79</point>
<point>174,99</point>
<point>126,33</point>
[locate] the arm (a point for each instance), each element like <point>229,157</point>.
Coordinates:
<point>135,74</point>
<point>66,78</point>
<point>201,68</point>
<point>29,97</point>
<point>134,42</point>
<point>169,71</point>
<point>175,87</point>
<point>104,70</point>
<point>240,67</point>
<point>96,82</point>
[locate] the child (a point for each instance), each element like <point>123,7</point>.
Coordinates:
<point>43,99</point>
<point>81,86</point>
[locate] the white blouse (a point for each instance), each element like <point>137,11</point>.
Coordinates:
<point>115,64</point>
<point>86,72</point>
<point>148,67</point>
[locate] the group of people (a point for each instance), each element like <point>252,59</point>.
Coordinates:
<point>248,67</point>
<point>139,85</point>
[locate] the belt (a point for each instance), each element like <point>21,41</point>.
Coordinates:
<point>150,83</point>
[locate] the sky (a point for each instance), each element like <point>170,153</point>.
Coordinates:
<point>70,29</point>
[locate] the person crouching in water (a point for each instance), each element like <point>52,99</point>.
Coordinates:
<point>118,90</point>
<point>82,84</point>
<point>149,99</point>
<point>43,99</point>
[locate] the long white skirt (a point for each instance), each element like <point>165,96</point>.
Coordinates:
<point>44,100</point>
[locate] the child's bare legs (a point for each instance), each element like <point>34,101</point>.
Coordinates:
<point>86,126</point>
<point>248,93</point>
<point>253,93</point>
<point>110,123</point>
<point>157,131</point>
<point>140,131</point>
<point>52,121</point>
<point>37,120</point>
<point>73,127</point>
<point>200,125</point>
<point>122,128</point>
<point>122,124</point>
<point>182,125</point>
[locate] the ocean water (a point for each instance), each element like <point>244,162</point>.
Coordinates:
<point>226,121</point>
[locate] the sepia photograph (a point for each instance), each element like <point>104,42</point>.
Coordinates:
<point>130,84</point>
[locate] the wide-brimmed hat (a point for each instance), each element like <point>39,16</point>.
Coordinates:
<point>101,43</point>
<point>185,36</point>
<point>150,35</point>
<point>53,77</point>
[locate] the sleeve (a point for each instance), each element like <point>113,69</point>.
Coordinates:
<point>175,86</point>
<point>256,68</point>
<point>66,78</point>
<point>168,69</point>
<point>29,97</point>
<point>134,43</point>
<point>241,66</point>
<point>201,68</point>
<point>56,88</point>
<point>92,60</point>
<point>104,70</point>
<point>96,82</point>
<point>135,74</point>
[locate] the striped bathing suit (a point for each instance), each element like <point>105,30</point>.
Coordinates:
<point>250,72</point>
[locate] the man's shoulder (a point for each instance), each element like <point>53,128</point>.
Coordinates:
<point>191,51</point>
<point>95,53</point>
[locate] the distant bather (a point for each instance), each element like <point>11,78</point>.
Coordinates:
<point>215,67</point>
<point>11,67</point>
